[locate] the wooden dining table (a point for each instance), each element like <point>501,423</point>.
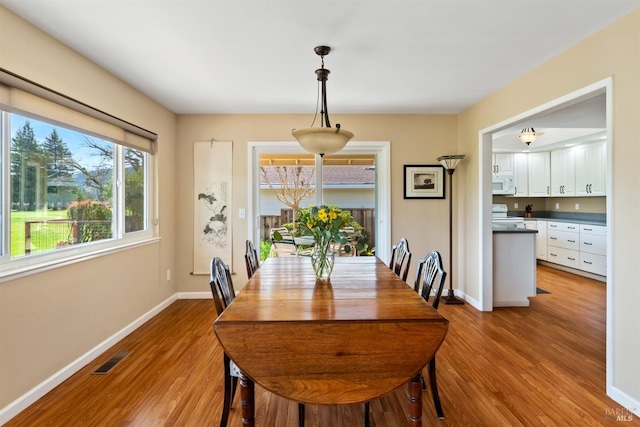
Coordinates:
<point>351,339</point>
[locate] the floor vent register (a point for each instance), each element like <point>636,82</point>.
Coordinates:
<point>111,363</point>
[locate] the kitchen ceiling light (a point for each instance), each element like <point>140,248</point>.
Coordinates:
<point>528,135</point>
<point>325,139</point>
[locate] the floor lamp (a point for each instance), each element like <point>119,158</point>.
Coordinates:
<point>450,163</point>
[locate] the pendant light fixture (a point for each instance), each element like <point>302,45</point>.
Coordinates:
<point>528,135</point>
<point>324,139</point>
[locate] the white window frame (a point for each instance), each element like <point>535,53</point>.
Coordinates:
<point>382,151</point>
<point>11,269</point>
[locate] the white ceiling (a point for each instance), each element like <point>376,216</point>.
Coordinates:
<point>256,56</point>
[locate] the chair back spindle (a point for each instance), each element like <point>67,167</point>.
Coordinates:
<point>430,278</point>
<point>401,259</point>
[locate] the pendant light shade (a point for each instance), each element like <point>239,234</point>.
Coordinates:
<point>324,139</point>
<point>528,135</point>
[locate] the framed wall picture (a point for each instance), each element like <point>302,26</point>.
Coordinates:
<point>423,182</point>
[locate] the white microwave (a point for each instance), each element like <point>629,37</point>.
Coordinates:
<point>503,185</point>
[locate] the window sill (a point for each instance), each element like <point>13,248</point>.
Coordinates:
<point>28,266</point>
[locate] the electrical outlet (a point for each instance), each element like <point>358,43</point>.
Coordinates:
<point>557,205</point>
<point>515,206</point>
<point>577,206</point>
<point>241,213</point>
<point>168,275</point>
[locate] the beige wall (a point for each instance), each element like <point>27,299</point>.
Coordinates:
<point>47,320</point>
<point>415,139</point>
<point>614,51</point>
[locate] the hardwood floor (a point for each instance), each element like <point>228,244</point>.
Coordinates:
<point>537,366</point>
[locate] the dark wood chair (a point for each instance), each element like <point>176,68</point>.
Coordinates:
<point>223,294</point>
<point>401,259</point>
<point>430,278</point>
<point>251,259</point>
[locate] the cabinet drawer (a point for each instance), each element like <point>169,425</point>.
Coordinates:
<point>592,263</point>
<point>563,256</point>
<point>599,230</point>
<point>593,244</point>
<point>563,226</point>
<point>563,239</point>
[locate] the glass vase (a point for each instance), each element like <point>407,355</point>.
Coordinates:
<point>322,259</point>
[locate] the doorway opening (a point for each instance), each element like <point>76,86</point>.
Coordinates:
<point>574,101</point>
<point>356,179</point>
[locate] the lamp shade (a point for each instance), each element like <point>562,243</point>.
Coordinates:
<point>528,135</point>
<point>450,162</point>
<point>322,140</point>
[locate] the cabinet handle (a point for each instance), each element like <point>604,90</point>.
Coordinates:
<point>571,228</point>
<point>497,168</point>
<point>515,190</point>
<point>553,225</point>
<point>588,229</point>
<point>547,189</point>
<point>571,259</point>
<point>571,241</point>
<point>590,188</point>
<point>586,188</point>
<point>587,262</point>
<point>552,254</point>
<point>587,243</point>
<point>553,238</point>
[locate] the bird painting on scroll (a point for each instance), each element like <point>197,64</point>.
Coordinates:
<point>213,215</point>
<point>212,204</point>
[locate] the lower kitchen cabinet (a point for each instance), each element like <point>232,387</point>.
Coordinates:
<point>578,246</point>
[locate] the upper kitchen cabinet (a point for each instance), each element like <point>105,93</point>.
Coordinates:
<point>521,174</point>
<point>563,172</point>
<point>539,174</point>
<point>591,167</point>
<point>502,164</point>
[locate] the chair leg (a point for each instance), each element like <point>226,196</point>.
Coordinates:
<point>234,387</point>
<point>366,414</point>
<point>301,414</point>
<point>228,397</point>
<point>434,387</point>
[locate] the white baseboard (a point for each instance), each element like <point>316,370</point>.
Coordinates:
<point>194,295</point>
<point>20,404</point>
<point>473,302</point>
<point>625,400</point>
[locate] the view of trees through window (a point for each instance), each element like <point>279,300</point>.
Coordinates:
<point>62,189</point>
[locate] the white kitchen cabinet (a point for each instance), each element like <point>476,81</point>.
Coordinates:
<point>579,246</point>
<point>593,249</point>
<point>591,167</point>
<point>521,174</point>
<point>539,174</point>
<point>502,164</point>
<point>563,243</point>
<point>563,172</point>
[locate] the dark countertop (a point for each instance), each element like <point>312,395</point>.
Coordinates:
<point>511,229</point>
<point>576,217</point>
<point>577,221</point>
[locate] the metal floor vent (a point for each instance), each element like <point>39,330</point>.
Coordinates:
<point>111,363</point>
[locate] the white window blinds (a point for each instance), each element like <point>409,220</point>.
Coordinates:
<point>20,95</point>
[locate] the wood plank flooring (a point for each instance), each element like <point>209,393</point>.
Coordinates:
<point>537,366</point>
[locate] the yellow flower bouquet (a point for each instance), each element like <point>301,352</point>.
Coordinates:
<point>323,223</point>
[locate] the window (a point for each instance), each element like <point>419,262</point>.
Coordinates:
<point>67,190</point>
